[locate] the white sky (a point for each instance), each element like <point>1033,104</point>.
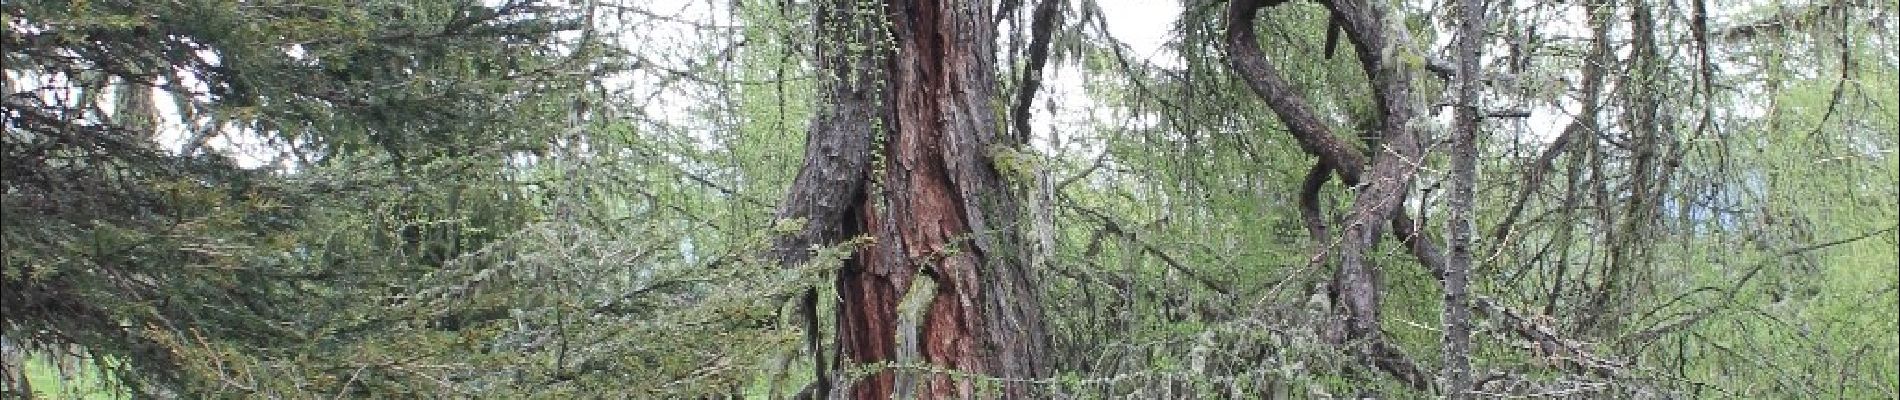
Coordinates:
<point>1144,25</point>
<point>676,32</point>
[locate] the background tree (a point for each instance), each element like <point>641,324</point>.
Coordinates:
<point>660,199</point>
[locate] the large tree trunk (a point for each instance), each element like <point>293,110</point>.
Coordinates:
<point>826,194</point>
<point>941,286</point>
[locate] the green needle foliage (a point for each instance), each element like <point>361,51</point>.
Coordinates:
<point>575,199</point>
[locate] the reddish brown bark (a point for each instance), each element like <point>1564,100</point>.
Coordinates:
<point>829,188</point>
<point>938,209</point>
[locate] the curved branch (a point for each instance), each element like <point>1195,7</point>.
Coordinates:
<point>1042,24</point>
<point>1245,56</point>
<point>1394,168</point>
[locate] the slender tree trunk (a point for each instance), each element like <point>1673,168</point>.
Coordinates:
<point>1579,141</point>
<point>1464,171</point>
<point>1630,246</point>
<point>940,289</point>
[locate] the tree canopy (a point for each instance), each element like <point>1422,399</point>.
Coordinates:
<point>955,198</point>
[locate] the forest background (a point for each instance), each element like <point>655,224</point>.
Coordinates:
<point>1021,198</point>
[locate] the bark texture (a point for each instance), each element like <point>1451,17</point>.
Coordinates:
<point>939,211</point>
<point>1464,171</point>
<point>826,194</point>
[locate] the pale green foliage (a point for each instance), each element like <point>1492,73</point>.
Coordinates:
<point>529,209</point>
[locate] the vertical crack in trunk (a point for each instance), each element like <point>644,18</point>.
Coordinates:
<point>942,211</point>
<point>825,198</point>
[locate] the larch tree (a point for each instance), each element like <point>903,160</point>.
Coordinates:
<point>901,155</point>
<point>537,199</point>
<point>1381,183</point>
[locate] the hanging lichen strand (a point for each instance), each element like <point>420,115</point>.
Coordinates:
<point>1070,199</point>
<point>938,303</point>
